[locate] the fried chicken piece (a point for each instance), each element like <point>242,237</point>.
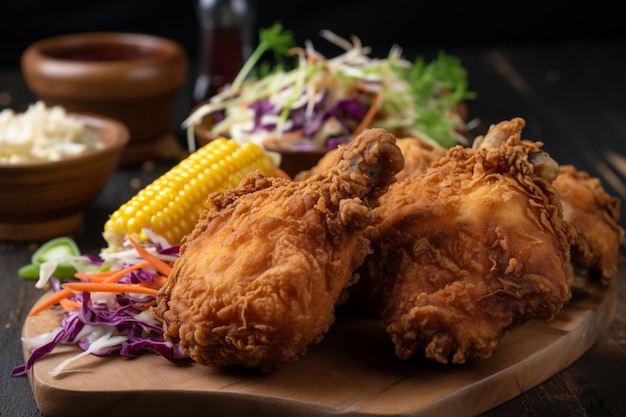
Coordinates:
<point>595,215</point>
<point>470,249</point>
<point>259,277</point>
<point>418,156</point>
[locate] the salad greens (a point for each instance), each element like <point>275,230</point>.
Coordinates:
<point>321,102</point>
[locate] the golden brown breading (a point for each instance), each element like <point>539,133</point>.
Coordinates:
<point>259,277</point>
<point>594,214</point>
<point>418,156</point>
<point>470,249</point>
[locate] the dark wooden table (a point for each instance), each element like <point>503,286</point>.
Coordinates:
<point>573,97</point>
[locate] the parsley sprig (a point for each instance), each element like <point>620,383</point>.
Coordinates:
<point>272,39</point>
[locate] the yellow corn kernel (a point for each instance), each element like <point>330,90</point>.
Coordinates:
<point>171,205</point>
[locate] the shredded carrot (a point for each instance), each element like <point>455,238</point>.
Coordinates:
<point>278,143</point>
<point>110,276</point>
<point>148,284</point>
<point>109,287</point>
<point>89,275</point>
<point>145,306</point>
<point>291,136</point>
<point>52,300</point>
<point>158,264</point>
<point>160,280</point>
<point>362,86</point>
<point>106,281</point>
<point>68,304</point>
<point>371,112</point>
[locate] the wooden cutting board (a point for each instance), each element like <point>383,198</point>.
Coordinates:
<point>352,372</point>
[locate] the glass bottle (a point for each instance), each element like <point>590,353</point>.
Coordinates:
<point>226,37</point>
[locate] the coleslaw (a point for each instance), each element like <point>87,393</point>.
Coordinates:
<point>43,133</point>
<point>324,102</point>
<point>104,322</point>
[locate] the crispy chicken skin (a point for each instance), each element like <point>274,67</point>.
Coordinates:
<point>418,156</point>
<point>470,249</point>
<point>259,277</point>
<point>594,214</point>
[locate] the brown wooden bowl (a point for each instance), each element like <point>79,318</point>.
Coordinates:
<point>133,78</point>
<point>294,162</point>
<point>42,200</point>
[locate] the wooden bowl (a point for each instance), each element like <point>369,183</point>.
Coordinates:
<point>133,78</point>
<point>42,200</point>
<point>294,162</point>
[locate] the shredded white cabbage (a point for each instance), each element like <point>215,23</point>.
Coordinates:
<point>100,337</point>
<point>43,134</point>
<point>46,269</point>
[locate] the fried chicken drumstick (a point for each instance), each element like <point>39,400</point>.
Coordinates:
<point>259,277</point>
<point>470,249</point>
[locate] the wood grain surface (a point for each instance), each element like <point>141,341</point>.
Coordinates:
<point>352,372</point>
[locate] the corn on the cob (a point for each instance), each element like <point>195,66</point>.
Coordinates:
<point>171,205</point>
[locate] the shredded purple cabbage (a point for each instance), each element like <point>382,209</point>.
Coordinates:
<point>68,331</point>
<point>343,111</point>
<point>124,319</point>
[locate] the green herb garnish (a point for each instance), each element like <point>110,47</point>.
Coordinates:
<point>274,39</point>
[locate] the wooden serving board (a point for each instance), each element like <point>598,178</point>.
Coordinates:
<point>352,372</point>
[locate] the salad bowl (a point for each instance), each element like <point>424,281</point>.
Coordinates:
<point>293,161</point>
<point>320,103</point>
<point>131,77</point>
<point>48,198</point>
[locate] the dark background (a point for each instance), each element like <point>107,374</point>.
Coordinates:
<point>415,26</point>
